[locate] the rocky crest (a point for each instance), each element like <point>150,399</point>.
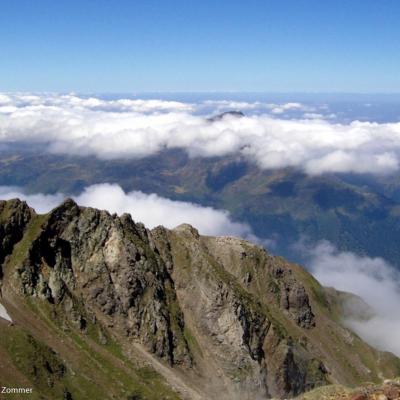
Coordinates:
<point>232,320</point>
<point>14,217</point>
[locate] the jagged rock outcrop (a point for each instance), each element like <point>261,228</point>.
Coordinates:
<point>15,215</point>
<point>231,319</point>
<point>87,259</point>
<point>248,343</point>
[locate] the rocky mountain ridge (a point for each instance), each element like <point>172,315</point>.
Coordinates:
<point>170,313</point>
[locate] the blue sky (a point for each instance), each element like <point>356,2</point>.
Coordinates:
<point>178,45</point>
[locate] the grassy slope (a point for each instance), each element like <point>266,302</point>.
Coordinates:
<point>90,369</point>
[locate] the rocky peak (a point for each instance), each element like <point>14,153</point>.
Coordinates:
<point>15,215</point>
<point>188,230</point>
<point>82,257</point>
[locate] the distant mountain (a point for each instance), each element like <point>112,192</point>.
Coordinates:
<point>357,213</point>
<point>220,116</point>
<point>104,308</point>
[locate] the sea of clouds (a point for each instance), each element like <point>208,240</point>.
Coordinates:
<point>135,128</point>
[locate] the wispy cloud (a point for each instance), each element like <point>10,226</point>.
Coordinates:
<point>273,108</point>
<point>127,128</point>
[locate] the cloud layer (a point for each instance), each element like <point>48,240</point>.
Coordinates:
<point>150,209</point>
<point>372,279</point>
<point>128,128</point>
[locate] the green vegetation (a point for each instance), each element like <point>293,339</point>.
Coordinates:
<point>40,364</point>
<point>7,211</point>
<point>192,342</point>
<point>21,249</point>
<point>92,370</point>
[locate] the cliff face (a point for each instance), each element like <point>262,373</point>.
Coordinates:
<point>207,317</point>
<point>14,217</point>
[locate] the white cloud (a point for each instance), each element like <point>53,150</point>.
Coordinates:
<point>372,279</point>
<point>4,99</point>
<point>150,209</point>
<point>257,106</point>
<point>221,105</point>
<point>314,115</point>
<point>154,210</point>
<point>126,128</point>
<point>42,203</point>
<point>8,109</point>
<point>280,109</point>
<point>73,102</point>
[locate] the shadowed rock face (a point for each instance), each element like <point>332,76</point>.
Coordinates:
<point>221,311</point>
<point>15,215</point>
<point>108,263</point>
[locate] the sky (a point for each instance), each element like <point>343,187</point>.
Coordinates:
<point>185,45</point>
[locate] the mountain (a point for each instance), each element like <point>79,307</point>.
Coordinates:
<point>356,213</point>
<point>104,308</point>
<point>221,116</point>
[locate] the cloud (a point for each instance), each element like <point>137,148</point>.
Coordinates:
<point>314,115</point>
<point>4,99</point>
<point>42,203</point>
<point>280,109</point>
<point>273,108</point>
<point>150,209</point>
<point>126,128</point>
<point>221,105</point>
<point>73,102</point>
<point>372,279</point>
